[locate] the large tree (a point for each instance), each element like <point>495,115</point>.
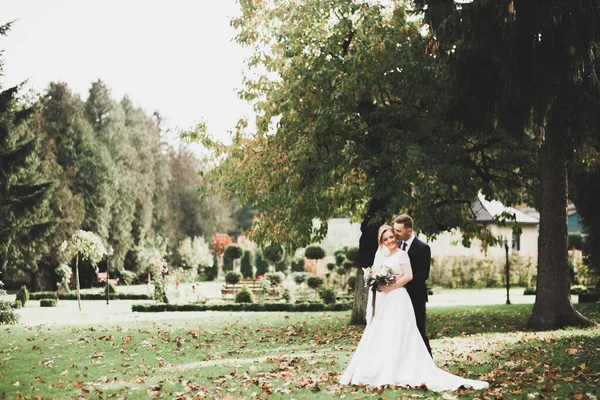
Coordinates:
<point>528,68</point>
<point>353,120</point>
<point>24,192</point>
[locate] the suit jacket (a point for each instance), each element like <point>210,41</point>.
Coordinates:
<point>420,262</point>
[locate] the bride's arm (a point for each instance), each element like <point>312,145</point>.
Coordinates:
<point>401,281</point>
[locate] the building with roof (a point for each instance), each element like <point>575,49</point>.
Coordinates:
<point>488,213</point>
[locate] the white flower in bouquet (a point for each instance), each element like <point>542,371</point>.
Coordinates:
<point>378,275</point>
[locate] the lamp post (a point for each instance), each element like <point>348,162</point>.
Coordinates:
<point>109,254</point>
<point>507,272</point>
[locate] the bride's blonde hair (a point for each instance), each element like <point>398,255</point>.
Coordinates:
<point>382,229</point>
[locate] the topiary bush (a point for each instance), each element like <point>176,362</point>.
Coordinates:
<point>160,295</point>
<point>233,278</point>
<point>299,277</point>
<point>22,296</point>
<point>112,289</point>
<point>327,296</point>
<point>275,278</point>
<point>128,277</point>
<point>7,313</point>
<point>48,303</point>
<point>314,252</point>
<point>330,266</point>
<point>298,265</point>
<point>246,268</point>
<point>314,282</point>
<point>351,282</point>
<point>353,254</point>
<point>262,266</point>
<point>244,296</point>
<point>233,251</point>
<point>274,253</point>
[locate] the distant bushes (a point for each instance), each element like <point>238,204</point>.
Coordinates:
<point>48,303</point>
<point>289,307</point>
<point>7,312</point>
<point>87,296</point>
<point>465,272</point>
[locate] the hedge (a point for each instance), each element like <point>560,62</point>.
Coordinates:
<point>88,296</point>
<point>242,307</point>
<point>48,303</point>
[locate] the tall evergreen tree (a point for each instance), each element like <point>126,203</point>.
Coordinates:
<point>23,191</point>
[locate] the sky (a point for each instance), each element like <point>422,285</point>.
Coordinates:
<point>177,57</point>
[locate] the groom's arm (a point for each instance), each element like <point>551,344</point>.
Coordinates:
<point>423,265</point>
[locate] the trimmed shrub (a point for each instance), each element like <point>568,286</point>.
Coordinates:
<point>233,252</point>
<point>286,295</point>
<point>314,252</point>
<point>262,266</point>
<point>330,266</point>
<point>160,295</point>
<point>8,316</point>
<point>43,295</point>
<point>327,296</point>
<point>228,264</point>
<point>277,307</point>
<point>282,266</point>
<point>112,290</point>
<point>347,265</point>
<point>351,282</point>
<point>7,313</point>
<point>275,279</point>
<point>299,277</point>
<point>246,267</point>
<point>353,254</point>
<point>298,265</point>
<point>48,303</point>
<point>244,296</point>
<point>233,277</point>
<point>273,253</point>
<point>314,282</point>
<point>23,295</point>
<point>210,273</point>
<point>128,277</point>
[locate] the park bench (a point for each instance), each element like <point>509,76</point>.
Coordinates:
<point>102,279</point>
<point>253,286</point>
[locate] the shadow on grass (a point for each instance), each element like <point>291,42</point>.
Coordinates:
<point>561,364</point>
<point>468,320</point>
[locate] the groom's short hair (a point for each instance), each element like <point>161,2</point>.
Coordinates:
<point>404,219</point>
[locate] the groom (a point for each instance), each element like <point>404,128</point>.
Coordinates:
<point>420,261</point>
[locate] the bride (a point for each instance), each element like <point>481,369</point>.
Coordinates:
<point>391,350</point>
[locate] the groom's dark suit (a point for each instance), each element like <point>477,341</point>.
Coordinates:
<point>420,261</point>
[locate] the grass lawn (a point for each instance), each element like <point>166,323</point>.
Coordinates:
<point>290,356</point>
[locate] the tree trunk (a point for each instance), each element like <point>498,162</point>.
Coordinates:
<point>367,248</point>
<point>77,281</point>
<point>219,267</point>
<point>553,308</point>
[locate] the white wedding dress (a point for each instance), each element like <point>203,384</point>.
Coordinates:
<point>391,350</point>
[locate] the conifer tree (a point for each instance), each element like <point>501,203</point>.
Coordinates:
<point>23,192</point>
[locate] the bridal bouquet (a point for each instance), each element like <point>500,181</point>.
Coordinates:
<point>380,275</point>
